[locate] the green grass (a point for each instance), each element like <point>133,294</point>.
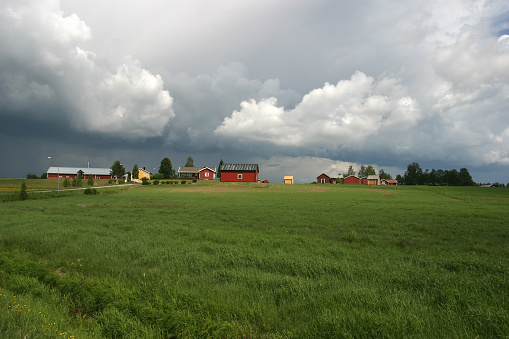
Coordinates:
<point>259,260</point>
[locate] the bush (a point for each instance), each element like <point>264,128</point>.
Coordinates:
<point>144,181</point>
<point>91,191</point>
<point>23,195</point>
<point>32,176</point>
<point>110,181</point>
<point>155,182</point>
<point>183,182</point>
<point>158,176</point>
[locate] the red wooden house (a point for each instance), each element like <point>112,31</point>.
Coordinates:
<point>325,179</point>
<point>352,179</point>
<point>239,173</point>
<point>207,173</point>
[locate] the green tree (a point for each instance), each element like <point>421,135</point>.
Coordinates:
<point>384,175</point>
<point>66,183</point>
<point>189,162</point>
<point>465,177</point>
<point>400,179</point>
<point>23,194</point>
<point>219,168</point>
<point>362,172</point>
<point>370,170</point>
<point>135,171</point>
<point>413,174</point>
<point>74,182</point>
<point>166,169</point>
<point>32,176</point>
<point>79,178</point>
<point>351,171</point>
<point>117,169</point>
<point>90,181</point>
<point>44,176</point>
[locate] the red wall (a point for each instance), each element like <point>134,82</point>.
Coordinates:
<point>352,180</point>
<point>323,176</point>
<point>202,174</point>
<point>232,176</point>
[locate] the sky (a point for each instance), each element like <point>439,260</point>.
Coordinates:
<point>299,87</point>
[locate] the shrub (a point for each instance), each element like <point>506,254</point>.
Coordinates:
<point>32,176</point>
<point>110,181</point>
<point>183,182</point>
<point>144,181</point>
<point>158,176</point>
<point>91,191</point>
<point>23,195</point>
<point>155,182</point>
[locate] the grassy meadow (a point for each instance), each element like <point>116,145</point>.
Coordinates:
<point>217,260</point>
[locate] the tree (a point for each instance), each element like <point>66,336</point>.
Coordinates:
<point>465,177</point>
<point>66,183</point>
<point>44,176</point>
<point>117,169</point>
<point>413,174</point>
<point>74,182</point>
<point>362,172</point>
<point>32,176</point>
<point>219,168</point>
<point>189,162</point>
<point>166,169</point>
<point>370,171</point>
<point>90,181</point>
<point>400,179</point>
<point>79,178</point>
<point>351,171</point>
<point>384,175</point>
<point>23,195</point>
<point>135,171</point>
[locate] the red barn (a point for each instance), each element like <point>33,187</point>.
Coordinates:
<point>325,179</point>
<point>72,172</point>
<point>352,179</point>
<point>239,173</point>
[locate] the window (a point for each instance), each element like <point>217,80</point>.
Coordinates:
<point>207,174</point>
<point>239,176</point>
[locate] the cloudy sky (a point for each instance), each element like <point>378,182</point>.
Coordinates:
<point>298,87</point>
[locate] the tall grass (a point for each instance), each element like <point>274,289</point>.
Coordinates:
<point>249,260</point>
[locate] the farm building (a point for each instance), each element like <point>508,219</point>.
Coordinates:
<point>373,180</point>
<point>388,182</point>
<point>72,172</point>
<point>352,179</point>
<point>325,179</point>
<point>239,173</point>
<point>197,172</point>
<point>288,179</point>
<point>143,173</point>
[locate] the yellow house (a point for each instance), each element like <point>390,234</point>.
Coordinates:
<point>142,174</point>
<point>288,179</point>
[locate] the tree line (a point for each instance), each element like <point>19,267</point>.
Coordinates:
<point>414,175</point>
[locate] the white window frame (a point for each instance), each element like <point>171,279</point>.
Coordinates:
<point>239,176</point>
<point>207,174</point>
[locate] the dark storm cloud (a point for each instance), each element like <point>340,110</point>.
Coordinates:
<point>300,86</point>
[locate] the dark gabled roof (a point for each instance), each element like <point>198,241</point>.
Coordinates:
<point>323,174</point>
<point>239,167</point>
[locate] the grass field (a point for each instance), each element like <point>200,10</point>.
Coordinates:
<point>212,260</point>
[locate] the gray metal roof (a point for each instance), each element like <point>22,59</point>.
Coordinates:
<point>74,170</point>
<point>372,177</point>
<point>239,167</point>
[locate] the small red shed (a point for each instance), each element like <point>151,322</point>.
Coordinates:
<point>239,173</point>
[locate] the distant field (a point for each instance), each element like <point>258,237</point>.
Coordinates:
<point>215,260</point>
